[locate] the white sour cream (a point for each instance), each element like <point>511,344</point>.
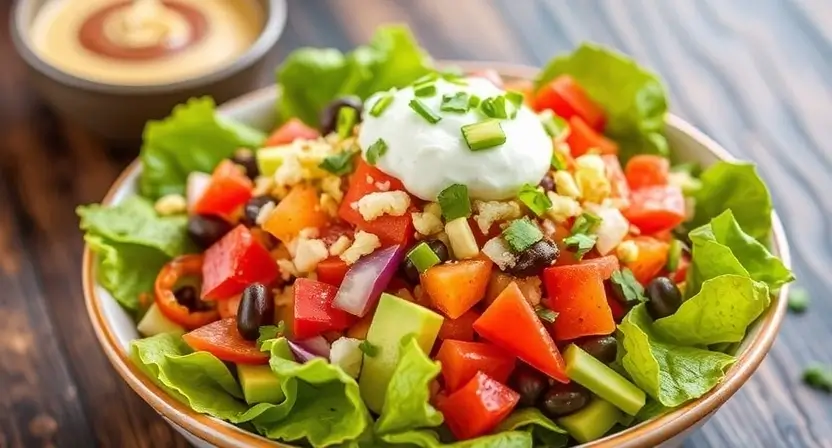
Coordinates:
<point>428,158</point>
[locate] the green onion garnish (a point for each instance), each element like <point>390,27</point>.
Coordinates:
<point>425,89</point>
<point>458,102</point>
<point>368,348</point>
<point>422,257</point>
<point>483,135</point>
<point>558,161</point>
<point>545,314</point>
<point>555,126</point>
<point>581,243</point>
<point>454,202</point>
<point>375,151</point>
<point>347,117</point>
<point>521,234</point>
<point>534,199</point>
<point>674,255</point>
<point>585,223</point>
<point>338,164</point>
<point>432,76</point>
<point>422,109</point>
<point>474,101</point>
<point>515,98</point>
<point>494,107</point>
<point>381,104</point>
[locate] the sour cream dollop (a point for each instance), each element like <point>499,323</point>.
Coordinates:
<point>428,158</point>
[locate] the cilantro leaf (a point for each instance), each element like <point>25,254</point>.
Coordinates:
<point>626,287</point>
<point>339,164</point>
<point>581,243</point>
<point>534,199</point>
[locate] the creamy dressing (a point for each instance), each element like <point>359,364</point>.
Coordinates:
<point>428,158</point>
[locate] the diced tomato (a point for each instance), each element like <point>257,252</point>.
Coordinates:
<point>222,340</point>
<point>511,323</point>
<point>234,262</point>
<point>582,139</point>
<point>365,180</point>
<point>290,131</point>
<point>462,360</point>
<point>228,308</point>
<point>333,231</point>
<point>567,98</point>
<point>576,293</point>
<point>490,75</point>
<point>300,209</point>
<point>332,271</point>
<point>652,257</point>
<point>606,265</point>
<point>646,170</point>
<point>656,209</point>
<point>181,267</point>
<point>478,407</point>
<point>617,308</point>
<point>461,328</point>
<point>228,190</point>
<point>619,188</point>
<point>314,313</point>
<point>455,288</point>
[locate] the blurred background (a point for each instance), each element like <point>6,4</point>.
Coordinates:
<point>752,74</point>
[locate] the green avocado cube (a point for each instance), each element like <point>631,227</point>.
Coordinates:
<point>260,384</point>
<point>154,322</point>
<point>600,379</point>
<point>591,422</point>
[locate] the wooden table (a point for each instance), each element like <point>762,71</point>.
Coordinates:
<point>751,73</point>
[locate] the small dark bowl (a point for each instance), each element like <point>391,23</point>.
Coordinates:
<point>119,112</point>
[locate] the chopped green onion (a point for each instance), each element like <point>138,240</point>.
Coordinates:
<point>496,107</point>
<point>545,314</point>
<point>558,161</point>
<point>515,98</point>
<point>347,117</point>
<point>458,102</point>
<point>425,89</point>
<point>818,376</point>
<point>474,101</point>
<point>423,257</point>
<point>338,164</point>
<point>375,151</point>
<point>455,78</point>
<point>483,135</point>
<point>581,243</point>
<point>534,199</point>
<point>798,300</point>
<point>585,223</point>
<point>555,126</point>
<point>432,76</point>
<point>368,348</point>
<point>674,255</point>
<point>381,104</point>
<point>626,288</point>
<point>454,202</point>
<point>521,234</point>
<point>423,110</point>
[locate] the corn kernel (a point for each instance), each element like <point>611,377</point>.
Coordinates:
<point>627,251</point>
<point>171,204</point>
<point>565,185</point>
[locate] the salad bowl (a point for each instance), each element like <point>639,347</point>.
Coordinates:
<point>115,329</point>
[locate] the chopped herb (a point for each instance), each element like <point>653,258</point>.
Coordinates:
<point>338,164</point>
<point>798,300</point>
<point>626,288</point>
<point>555,126</point>
<point>270,332</point>
<point>521,234</point>
<point>347,117</point>
<point>458,102</point>
<point>545,314</point>
<point>423,257</point>
<point>581,243</point>
<point>818,376</point>
<point>558,161</point>
<point>674,255</point>
<point>375,151</point>
<point>454,202</point>
<point>474,101</point>
<point>432,76</point>
<point>381,104</point>
<point>483,135</point>
<point>585,223</point>
<point>455,78</point>
<point>496,107</point>
<point>534,199</point>
<point>368,348</point>
<point>515,98</point>
<point>423,110</point>
<point>425,89</point>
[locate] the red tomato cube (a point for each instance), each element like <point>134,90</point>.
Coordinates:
<point>462,360</point>
<point>576,292</point>
<point>234,262</point>
<point>478,407</point>
<point>314,313</point>
<point>228,189</point>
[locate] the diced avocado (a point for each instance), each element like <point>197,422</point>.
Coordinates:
<point>259,383</point>
<point>603,381</point>
<point>591,422</point>
<point>394,319</point>
<point>270,159</point>
<point>154,322</point>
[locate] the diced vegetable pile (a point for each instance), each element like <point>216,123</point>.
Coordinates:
<point>286,284</point>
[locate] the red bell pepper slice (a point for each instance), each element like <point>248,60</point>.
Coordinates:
<point>478,407</point>
<point>455,288</point>
<point>365,180</point>
<point>314,313</point>
<point>222,340</point>
<point>234,262</point>
<point>462,360</point>
<point>291,131</point>
<point>461,328</point>
<point>567,99</point>
<point>656,209</point>
<point>582,138</point>
<point>606,265</point>
<point>166,280</point>
<point>576,292</point>
<point>228,190</point>
<point>525,337</point>
<point>646,170</point>
<point>332,271</point>
<point>619,188</point>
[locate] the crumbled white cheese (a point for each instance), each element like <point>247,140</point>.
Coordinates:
<point>287,269</point>
<point>434,209</point>
<point>364,244</point>
<point>489,212</point>
<point>373,205</point>
<point>331,185</point>
<point>171,204</point>
<point>263,185</point>
<point>427,224</point>
<point>563,207</point>
<point>290,172</point>
<point>383,186</point>
<point>263,214</point>
<point>329,205</point>
<point>565,184</point>
<point>340,245</point>
<point>308,254</point>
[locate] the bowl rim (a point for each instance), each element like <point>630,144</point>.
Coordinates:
<point>275,17</point>
<point>650,433</point>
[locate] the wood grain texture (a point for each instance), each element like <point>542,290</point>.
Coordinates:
<point>753,74</point>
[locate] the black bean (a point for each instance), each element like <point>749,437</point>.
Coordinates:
<point>329,115</point>
<point>603,348</point>
<point>664,297</point>
<point>256,310</point>
<point>535,258</point>
<point>409,270</point>
<point>206,230</point>
<point>248,160</point>
<point>529,383</point>
<point>563,399</point>
<point>252,209</point>
<point>548,183</point>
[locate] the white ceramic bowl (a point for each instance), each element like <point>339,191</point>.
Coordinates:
<point>115,329</point>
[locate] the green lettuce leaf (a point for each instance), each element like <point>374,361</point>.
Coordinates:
<point>406,405</point>
<point>429,439</point>
<point>734,186</point>
<point>669,373</point>
<point>193,138</point>
<point>544,431</point>
<point>632,97</point>
<point>392,59</point>
<point>651,410</point>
